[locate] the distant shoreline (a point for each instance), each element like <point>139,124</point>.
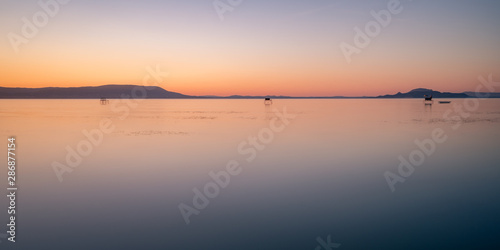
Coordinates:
<point>252,98</point>
<point>153,92</point>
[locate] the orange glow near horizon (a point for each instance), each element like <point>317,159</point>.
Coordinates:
<point>224,78</point>
<point>279,54</point>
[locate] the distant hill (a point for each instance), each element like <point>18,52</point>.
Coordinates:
<point>419,93</point>
<point>107,91</point>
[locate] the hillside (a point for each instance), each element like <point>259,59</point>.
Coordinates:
<point>419,93</point>
<point>107,91</point>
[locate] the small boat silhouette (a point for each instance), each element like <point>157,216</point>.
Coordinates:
<point>104,101</point>
<point>428,100</point>
<point>444,102</point>
<point>268,101</point>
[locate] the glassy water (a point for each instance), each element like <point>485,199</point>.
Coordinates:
<point>251,176</point>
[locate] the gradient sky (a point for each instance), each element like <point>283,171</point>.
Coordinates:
<point>262,47</point>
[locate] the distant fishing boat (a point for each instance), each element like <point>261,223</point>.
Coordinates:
<point>428,100</point>
<point>444,102</point>
<point>268,101</point>
<point>104,101</point>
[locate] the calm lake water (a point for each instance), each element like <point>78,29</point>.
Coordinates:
<point>319,174</point>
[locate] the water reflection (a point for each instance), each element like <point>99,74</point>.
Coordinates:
<point>323,175</point>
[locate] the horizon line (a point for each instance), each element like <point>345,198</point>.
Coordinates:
<point>241,96</point>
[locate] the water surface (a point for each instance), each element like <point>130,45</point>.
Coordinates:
<point>322,175</point>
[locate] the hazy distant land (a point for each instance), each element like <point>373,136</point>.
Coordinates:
<point>136,91</point>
